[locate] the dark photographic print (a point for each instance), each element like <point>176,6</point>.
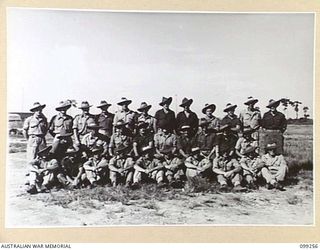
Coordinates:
<point>159,118</point>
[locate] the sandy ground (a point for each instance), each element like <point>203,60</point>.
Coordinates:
<point>291,207</point>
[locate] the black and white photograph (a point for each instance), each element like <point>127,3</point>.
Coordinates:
<point>159,118</point>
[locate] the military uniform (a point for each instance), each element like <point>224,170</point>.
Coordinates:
<point>59,122</point>
<point>243,143</point>
<point>95,169</point>
<point>275,168</point>
<point>164,141</point>
<point>205,141</point>
<point>105,121</point>
<point>148,164</point>
<point>188,119</point>
<point>81,122</point>
<point>214,122</point>
<point>71,171</point>
<point>174,168</point>
<point>149,120</point>
<point>124,164</point>
<point>36,128</point>
<point>126,116</point>
<point>119,139</point>
<point>90,141</point>
<point>185,143</point>
<point>250,168</point>
<point>226,165</point>
<point>165,120</point>
<point>202,163</point>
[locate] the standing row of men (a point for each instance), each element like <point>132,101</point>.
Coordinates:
<point>125,143</point>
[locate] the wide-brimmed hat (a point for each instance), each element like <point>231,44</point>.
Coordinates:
<point>64,133</point>
<point>45,151</point>
<point>185,127</point>
<point>207,106</point>
<point>103,104</point>
<point>249,150</point>
<point>96,150</point>
<point>203,122</point>
<point>195,150</point>
<point>124,101</point>
<point>229,107</point>
<point>186,102</point>
<point>144,106</point>
<point>71,151</point>
<point>37,106</point>
<point>248,131</point>
<point>93,125</point>
<point>146,150</point>
<point>142,124</point>
<point>165,100</point>
<point>63,105</point>
<point>250,100</point>
<point>120,124</point>
<point>273,103</point>
<point>85,105</point>
<point>271,146</point>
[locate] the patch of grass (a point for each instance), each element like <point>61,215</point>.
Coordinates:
<point>199,184</point>
<point>294,200</point>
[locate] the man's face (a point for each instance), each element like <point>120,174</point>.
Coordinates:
<point>272,152</point>
<point>118,130</point>
<point>250,106</point>
<point>186,108</point>
<point>142,131</point>
<point>209,112</point>
<point>273,109</point>
<point>63,111</point>
<point>165,131</point>
<point>166,106</point>
<point>85,111</point>
<point>96,156</point>
<point>124,107</point>
<point>104,108</point>
<point>231,112</point>
<point>38,112</point>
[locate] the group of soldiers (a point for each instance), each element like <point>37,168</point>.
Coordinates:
<point>133,147</point>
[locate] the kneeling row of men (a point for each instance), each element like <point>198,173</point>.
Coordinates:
<point>80,168</point>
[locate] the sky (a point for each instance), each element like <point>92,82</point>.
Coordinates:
<point>218,58</point>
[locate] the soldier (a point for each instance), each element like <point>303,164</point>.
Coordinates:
<point>231,119</point>
<point>251,164</point>
<point>187,117</point>
<point>105,120</point>
<point>214,122</point>
<point>144,117</point>
<point>273,124</point>
<point>226,141</point>
<point>60,122</point>
<point>173,168</point>
<point>96,168</point>
<point>81,122</point>
<point>125,114</point>
<point>227,170</point>
<point>163,140</point>
<point>245,140</point>
<point>42,171</point>
<point>64,141</point>
<point>206,141</point>
<point>184,141</point>
<point>197,164</point>
<point>71,168</point>
<point>121,167</point>
<point>34,130</point>
<point>165,117</point>
<point>250,117</point>
<point>94,139</point>
<point>144,138</point>
<point>121,136</point>
<point>148,168</point>
<point>274,168</point>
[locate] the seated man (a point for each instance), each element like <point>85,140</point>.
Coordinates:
<point>121,136</point>
<point>148,168</point>
<point>245,140</point>
<point>144,138</point>
<point>197,164</point>
<point>95,168</point>
<point>121,167</point>
<point>71,168</point>
<point>251,165</point>
<point>164,140</point>
<point>274,168</point>
<point>42,171</point>
<point>227,169</point>
<point>184,141</point>
<point>173,167</point>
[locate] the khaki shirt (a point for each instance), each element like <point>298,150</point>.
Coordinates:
<point>225,164</point>
<point>59,122</point>
<point>203,163</point>
<point>273,162</point>
<point>165,141</point>
<point>150,120</point>
<point>119,139</point>
<point>250,119</point>
<point>251,163</point>
<point>94,164</point>
<point>242,144</point>
<point>36,125</point>
<point>120,163</point>
<point>172,164</point>
<point>90,141</point>
<point>127,116</point>
<point>214,122</point>
<point>81,121</point>
<point>147,164</point>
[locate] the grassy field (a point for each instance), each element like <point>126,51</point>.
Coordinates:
<point>198,202</point>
